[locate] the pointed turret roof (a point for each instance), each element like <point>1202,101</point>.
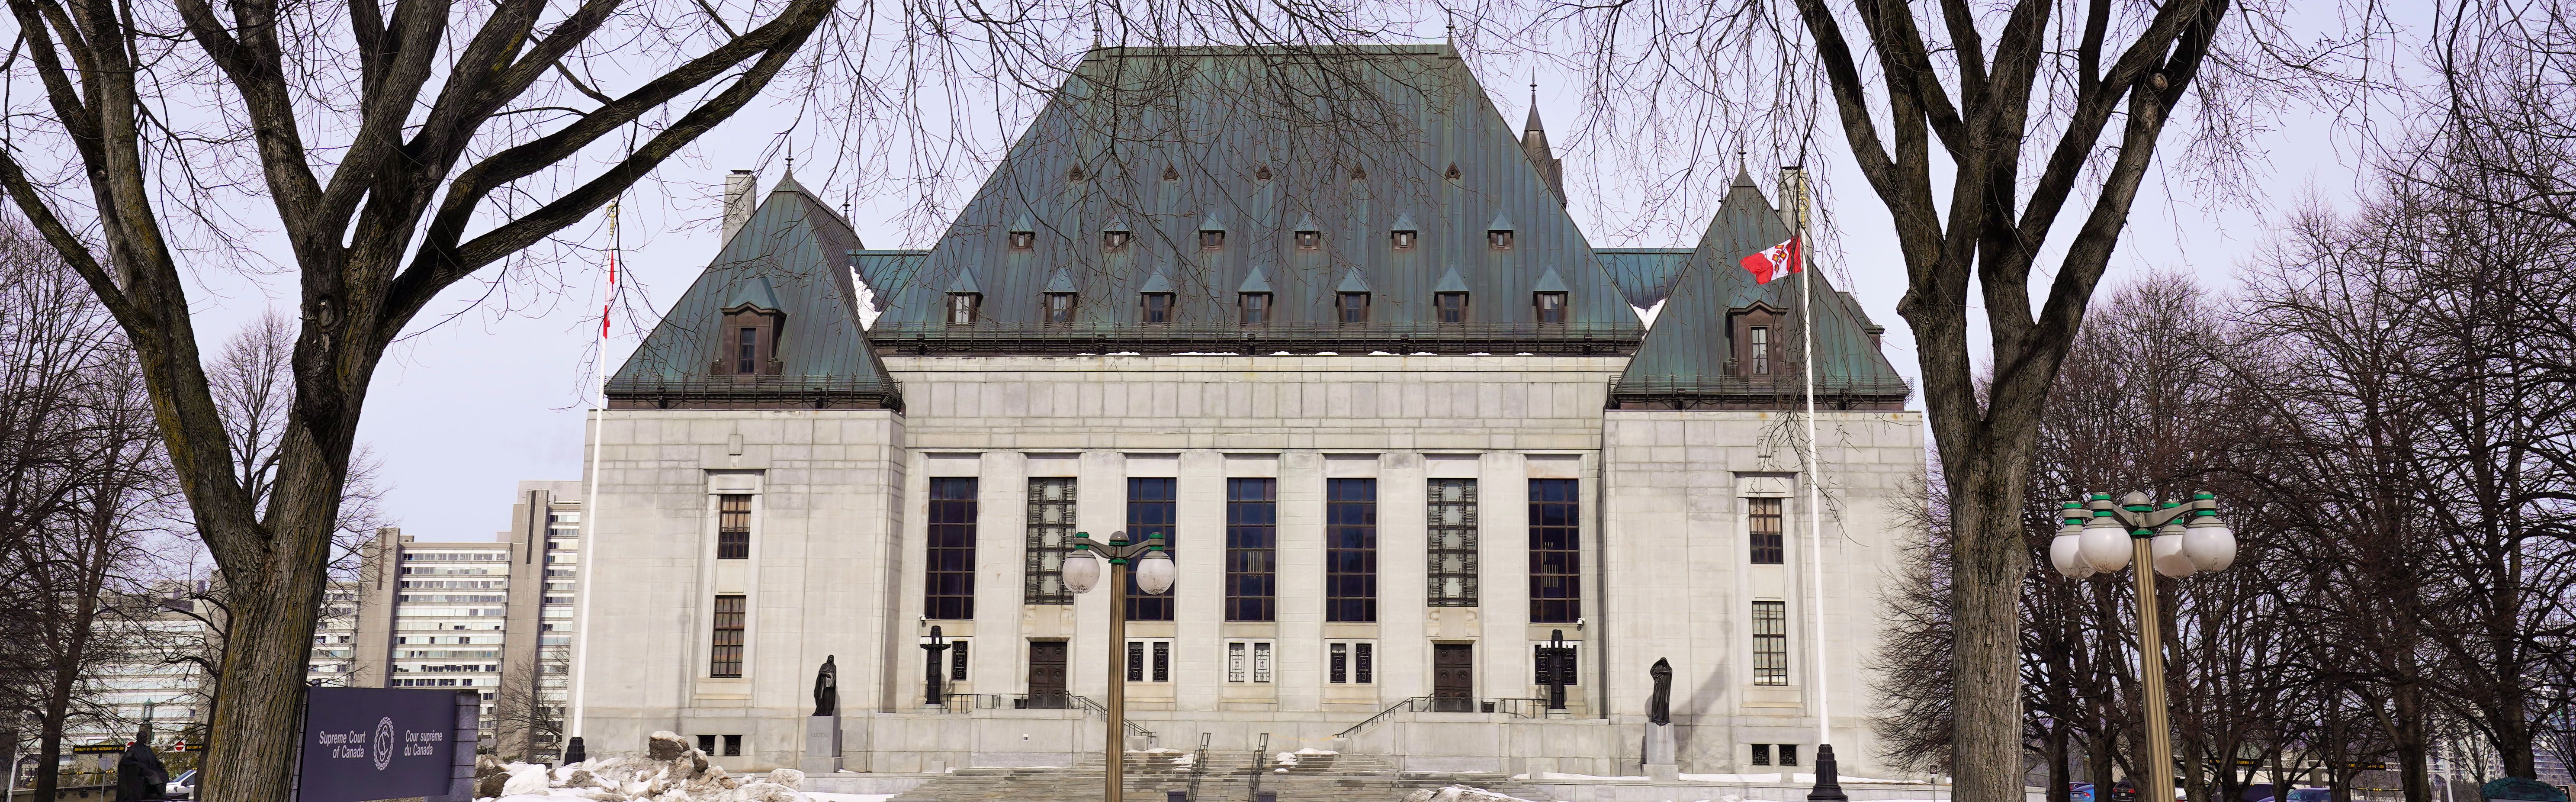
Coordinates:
<point>1687,360</point>
<point>793,257</point>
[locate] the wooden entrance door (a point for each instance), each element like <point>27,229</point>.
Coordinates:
<point>1046,675</point>
<point>1453,677</point>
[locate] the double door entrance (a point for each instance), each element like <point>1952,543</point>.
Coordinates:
<point>1453,676</point>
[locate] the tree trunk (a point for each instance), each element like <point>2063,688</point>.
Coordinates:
<point>271,635</point>
<point>1989,561</point>
<point>2058,790</point>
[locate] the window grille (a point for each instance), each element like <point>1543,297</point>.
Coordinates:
<point>1762,524</point>
<point>948,590</point>
<point>1770,643</point>
<point>1051,508</point>
<point>733,527</point>
<point>1350,550</point>
<point>1452,532</point>
<point>1555,544</point>
<point>725,660</point>
<point>1150,512</point>
<point>1251,549</point>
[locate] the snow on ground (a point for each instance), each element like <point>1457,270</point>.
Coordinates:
<point>819,796</point>
<point>1458,793</point>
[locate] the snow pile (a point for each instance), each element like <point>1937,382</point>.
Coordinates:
<point>1458,793</point>
<point>669,771</point>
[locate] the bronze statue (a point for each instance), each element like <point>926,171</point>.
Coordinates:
<point>139,773</point>
<point>1659,707</point>
<point>827,689</point>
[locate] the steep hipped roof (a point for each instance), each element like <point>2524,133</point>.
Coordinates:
<point>1352,142</point>
<point>793,257</point>
<point>1685,360</point>
<point>1646,275</point>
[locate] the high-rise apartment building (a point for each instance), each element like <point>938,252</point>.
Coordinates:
<point>490,616</point>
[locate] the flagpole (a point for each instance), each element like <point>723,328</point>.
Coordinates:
<point>590,498</point>
<point>1815,501</point>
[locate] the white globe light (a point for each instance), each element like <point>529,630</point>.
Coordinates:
<point>2105,546</point>
<point>2169,557</point>
<point>2067,553</point>
<point>2209,545</point>
<point>1082,571</point>
<point>1154,572</point>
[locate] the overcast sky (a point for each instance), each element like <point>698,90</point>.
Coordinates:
<point>488,388</point>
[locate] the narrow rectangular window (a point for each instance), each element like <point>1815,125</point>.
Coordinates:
<point>1550,306</point>
<point>1059,308</point>
<point>1135,661</point>
<point>1162,661</point>
<point>1338,665</point>
<point>1251,549</point>
<point>962,307</point>
<point>1363,663</point>
<point>1354,306</point>
<point>1788,754</point>
<point>1350,550</point>
<point>1555,551</point>
<point>707,744</point>
<point>1451,306</point>
<point>948,591</point>
<point>1758,349</point>
<point>1770,643</point>
<point>1236,660</point>
<point>733,527</point>
<point>957,661</point>
<point>725,659</point>
<point>1150,512</point>
<point>1761,754</point>
<point>1261,661</point>
<point>1453,542</point>
<point>1255,306</point>
<point>733,746</point>
<point>1762,524</point>
<point>1050,539</point>
<point>1157,307</point>
<point>749,345</point>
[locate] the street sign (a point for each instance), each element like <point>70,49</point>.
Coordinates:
<point>99,749</point>
<point>380,743</point>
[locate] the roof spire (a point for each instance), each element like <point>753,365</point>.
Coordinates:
<point>1533,124</point>
<point>1453,27</point>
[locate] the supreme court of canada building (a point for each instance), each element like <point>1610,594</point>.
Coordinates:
<point>1325,325</point>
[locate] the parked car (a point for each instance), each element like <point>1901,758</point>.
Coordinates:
<point>2310,795</point>
<point>2079,792</point>
<point>183,786</point>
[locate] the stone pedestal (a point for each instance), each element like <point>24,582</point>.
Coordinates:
<point>822,745</point>
<point>1659,753</point>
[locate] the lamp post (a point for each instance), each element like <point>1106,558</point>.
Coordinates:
<point>2176,540</point>
<point>1083,570</point>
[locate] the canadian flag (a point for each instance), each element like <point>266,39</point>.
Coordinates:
<point>1775,262</point>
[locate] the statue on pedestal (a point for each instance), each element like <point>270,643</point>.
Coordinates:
<point>1659,707</point>
<point>827,689</point>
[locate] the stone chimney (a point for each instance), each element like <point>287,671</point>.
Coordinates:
<point>738,204</point>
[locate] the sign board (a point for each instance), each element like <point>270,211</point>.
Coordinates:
<point>379,743</point>
<point>99,749</point>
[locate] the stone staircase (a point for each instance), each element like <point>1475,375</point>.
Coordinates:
<point>1213,776</point>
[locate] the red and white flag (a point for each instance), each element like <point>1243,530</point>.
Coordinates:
<point>1775,262</point>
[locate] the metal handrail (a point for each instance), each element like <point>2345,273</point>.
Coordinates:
<point>1095,708</point>
<point>1516,707</point>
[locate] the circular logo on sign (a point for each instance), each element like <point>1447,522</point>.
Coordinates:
<point>383,747</point>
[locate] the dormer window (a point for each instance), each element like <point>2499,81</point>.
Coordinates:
<point>1024,240</point>
<point>1549,306</point>
<point>1157,307</point>
<point>1352,306</point>
<point>747,351</point>
<point>1500,239</point>
<point>1059,308</point>
<point>1757,345</point>
<point>964,308</point>
<point>1211,240</point>
<point>1402,238</point>
<point>1114,241</point>
<point>1254,307</point>
<point>1308,240</point>
<point>1755,331</point>
<point>1451,307</point>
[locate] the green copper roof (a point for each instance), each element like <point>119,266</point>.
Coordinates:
<point>1686,359</point>
<point>1645,275</point>
<point>792,257</point>
<point>1258,143</point>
